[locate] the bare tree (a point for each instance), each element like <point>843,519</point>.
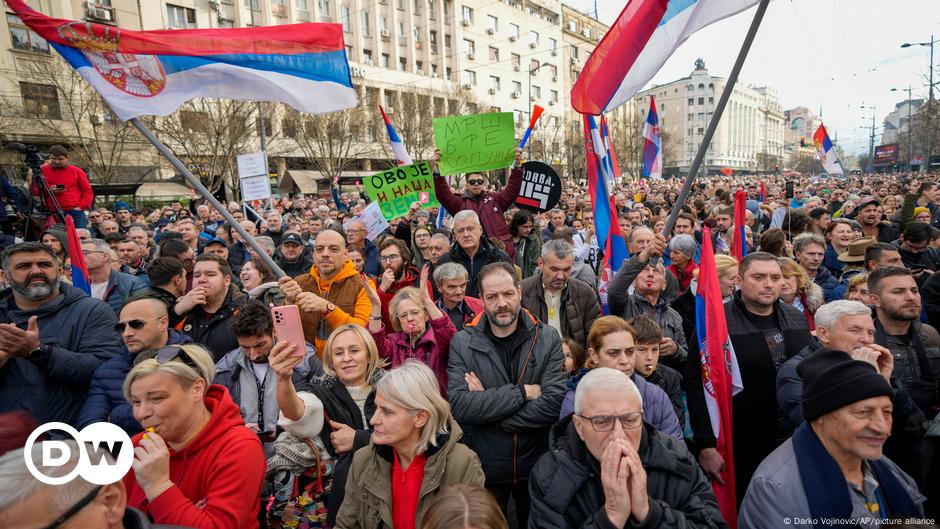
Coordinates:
<point>97,139</point>
<point>208,134</point>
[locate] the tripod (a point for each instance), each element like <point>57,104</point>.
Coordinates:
<point>45,193</point>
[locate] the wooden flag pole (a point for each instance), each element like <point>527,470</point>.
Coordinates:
<point>197,185</point>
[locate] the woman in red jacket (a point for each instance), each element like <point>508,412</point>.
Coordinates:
<point>196,465</point>
<point>423,331</point>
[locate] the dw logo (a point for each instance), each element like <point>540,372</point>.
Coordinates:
<point>105,453</point>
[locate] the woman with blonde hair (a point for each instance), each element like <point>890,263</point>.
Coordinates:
<point>464,507</point>
<point>194,436</point>
<point>422,330</point>
<point>728,281</point>
<point>414,452</point>
<point>799,290</point>
<point>335,407</point>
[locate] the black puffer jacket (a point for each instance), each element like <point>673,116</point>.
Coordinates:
<point>508,432</point>
<point>487,253</point>
<point>566,488</point>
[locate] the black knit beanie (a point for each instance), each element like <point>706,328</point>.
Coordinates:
<point>832,380</point>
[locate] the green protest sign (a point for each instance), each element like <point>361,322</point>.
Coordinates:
<point>397,188</point>
<point>475,143</point>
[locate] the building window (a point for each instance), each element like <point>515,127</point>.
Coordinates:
<point>701,100</point>
<point>494,82</point>
<point>301,4</point>
<point>24,38</point>
<point>323,5</point>
<point>514,30</point>
<point>433,70</point>
<point>711,100</point>
<point>534,37</point>
<point>402,64</point>
<point>691,117</point>
<point>552,44</point>
<point>572,25</point>
<point>40,100</point>
<point>419,66</point>
<point>468,77</point>
<point>180,17</point>
<point>196,121</point>
<point>366,27</point>
<point>386,60</point>
<point>492,23</point>
<point>533,65</point>
<point>448,73</point>
<point>467,13</point>
<point>691,101</point>
<point>431,10</point>
<point>417,33</point>
<point>574,51</point>
<point>344,18</point>
<point>517,87</point>
<point>367,56</point>
<point>494,53</point>
<point>554,96</point>
<point>536,92</point>
<point>469,47</point>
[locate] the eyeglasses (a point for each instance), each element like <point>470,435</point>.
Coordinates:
<point>390,258</point>
<point>134,324</point>
<point>73,510</point>
<point>475,182</point>
<point>605,423</point>
<point>172,352</point>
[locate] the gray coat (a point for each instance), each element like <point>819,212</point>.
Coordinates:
<point>508,432</point>
<point>775,498</point>
<point>580,306</point>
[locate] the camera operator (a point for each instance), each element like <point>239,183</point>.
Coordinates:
<point>70,186</point>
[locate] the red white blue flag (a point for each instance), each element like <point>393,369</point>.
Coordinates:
<point>827,152</point>
<point>398,148</point>
<point>739,242</point>
<point>154,72</point>
<point>80,277</point>
<point>721,377</point>
<point>652,148</point>
<point>637,45</point>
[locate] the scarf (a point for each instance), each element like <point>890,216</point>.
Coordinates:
<point>685,275</point>
<point>827,491</point>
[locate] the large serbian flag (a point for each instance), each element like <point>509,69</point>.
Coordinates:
<point>154,72</point>
<point>638,43</point>
<point>827,152</point>
<point>721,377</point>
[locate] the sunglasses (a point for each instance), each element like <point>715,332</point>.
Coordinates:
<point>134,324</point>
<point>73,510</point>
<point>475,182</point>
<point>171,353</point>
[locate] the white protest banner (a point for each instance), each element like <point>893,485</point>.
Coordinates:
<point>373,218</point>
<point>253,176</point>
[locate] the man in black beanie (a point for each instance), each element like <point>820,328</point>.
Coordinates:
<point>833,467</point>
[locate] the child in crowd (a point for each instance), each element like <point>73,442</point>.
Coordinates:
<point>647,338</point>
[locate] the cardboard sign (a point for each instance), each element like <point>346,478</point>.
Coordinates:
<point>253,176</point>
<point>373,219</point>
<point>397,188</point>
<point>479,142</point>
<point>541,187</point>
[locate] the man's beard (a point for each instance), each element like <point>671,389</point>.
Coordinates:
<point>897,315</point>
<point>35,291</point>
<point>400,272</point>
<point>502,319</point>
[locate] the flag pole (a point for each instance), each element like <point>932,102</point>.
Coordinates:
<point>197,185</point>
<point>716,117</point>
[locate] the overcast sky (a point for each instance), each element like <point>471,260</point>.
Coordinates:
<point>831,54</point>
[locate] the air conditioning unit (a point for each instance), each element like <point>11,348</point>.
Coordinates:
<point>532,45</point>
<point>515,95</point>
<point>383,2</point>
<point>470,57</point>
<point>434,75</point>
<point>465,23</point>
<point>513,38</point>
<point>552,103</point>
<point>554,53</point>
<point>467,86</point>
<point>102,14</point>
<point>554,79</point>
<point>385,34</point>
<point>492,91</point>
<point>490,31</point>
<point>517,68</point>
<point>574,61</point>
<point>532,99</point>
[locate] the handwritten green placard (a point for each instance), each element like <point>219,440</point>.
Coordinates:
<point>397,188</point>
<point>475,143</point>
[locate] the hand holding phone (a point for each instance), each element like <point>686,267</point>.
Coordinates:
<point>288,328</point>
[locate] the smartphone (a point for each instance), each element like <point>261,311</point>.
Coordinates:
<point>789,190</point>
<point>288,328</point>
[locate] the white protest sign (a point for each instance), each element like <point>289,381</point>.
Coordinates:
<point>373,219</point>
<point>253,176</point>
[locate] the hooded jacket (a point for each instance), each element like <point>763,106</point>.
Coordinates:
<point>431,348</point>
<point>579,306</point>
<point>657,407</point>
<point>567,493</point>
<point>106,400</point>
<point>78,334</point>
<point>345,291</point>
<point>487,253</point>
<point>207,491</point>
<point>369,502</point>
<point>508,432</point>
<point>832,289</point>
<point>489,206</point>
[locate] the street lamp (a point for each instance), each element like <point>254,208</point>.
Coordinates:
<point>871,142</point>
<point>910,124</point>
<point>928,147</point>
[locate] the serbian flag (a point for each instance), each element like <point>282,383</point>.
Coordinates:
<point>636,46</point>
<point>613,167</point>
<point>826,152</point>
<point>398,148</point>
<point>80,278</point>
<point>721,377</point>
<point>652,149</point>
<point>739,243</point>
<point>154,72</point>
<point>763,192</point>
<point>606,226</point>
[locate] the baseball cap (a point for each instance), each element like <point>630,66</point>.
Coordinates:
<point>293,238</point>
<point>867,202</point>
<point>216,240</point>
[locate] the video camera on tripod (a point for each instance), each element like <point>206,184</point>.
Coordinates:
<point>48,204</point>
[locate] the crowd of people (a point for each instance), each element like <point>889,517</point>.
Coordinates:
<point>487,372</point>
